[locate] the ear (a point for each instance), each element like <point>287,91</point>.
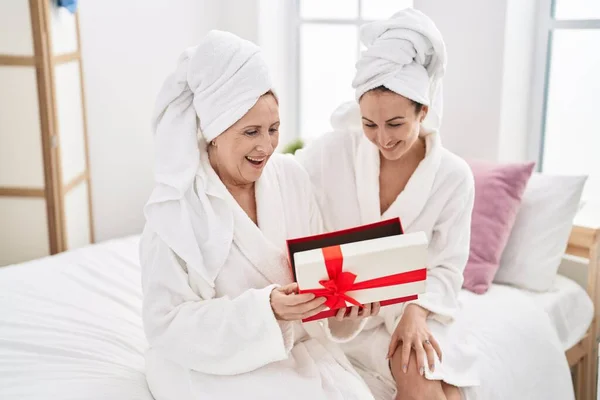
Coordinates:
<point>424,112</point>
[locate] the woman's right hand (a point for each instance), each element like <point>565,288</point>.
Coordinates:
<point>288,305</point>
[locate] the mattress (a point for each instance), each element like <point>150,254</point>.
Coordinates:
<point>70,326</point>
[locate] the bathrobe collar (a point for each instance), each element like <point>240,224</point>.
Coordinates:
<point>411,201</point>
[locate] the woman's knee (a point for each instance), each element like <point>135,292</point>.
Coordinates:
<point>411,385</point>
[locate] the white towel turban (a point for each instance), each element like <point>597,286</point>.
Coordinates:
<point>406,54</point>
<point>214,85</point>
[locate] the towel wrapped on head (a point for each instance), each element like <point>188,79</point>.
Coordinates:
<point>214,85</point>
<point>406,54</point>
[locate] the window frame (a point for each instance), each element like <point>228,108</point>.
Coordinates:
<point>547,24</point>
<point>297,22</point>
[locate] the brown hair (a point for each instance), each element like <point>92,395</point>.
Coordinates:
<point>383,89</point>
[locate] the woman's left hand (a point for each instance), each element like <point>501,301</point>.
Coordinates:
<point>413,333</point>
<point>368,310</point>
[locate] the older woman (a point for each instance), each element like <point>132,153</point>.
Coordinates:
<point>385,159</point>
<point>221,313</point>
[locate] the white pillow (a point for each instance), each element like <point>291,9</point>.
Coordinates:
<point>541,231</point>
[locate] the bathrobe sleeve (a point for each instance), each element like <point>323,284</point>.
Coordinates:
<point>448,253</point>
<point>218,336</point>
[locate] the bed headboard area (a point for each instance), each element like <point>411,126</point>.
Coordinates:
<point>583,241</point>
<point>581,263</point>
<point>578,254</point>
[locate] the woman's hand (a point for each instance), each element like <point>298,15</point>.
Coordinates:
<point>288,305</point>
<point>368,310</point>
<point>412,333</point>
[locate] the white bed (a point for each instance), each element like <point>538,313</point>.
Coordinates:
<point>568,306</point>
<point>522,337</point>
<point>570,309</point>
<point>71,327</point>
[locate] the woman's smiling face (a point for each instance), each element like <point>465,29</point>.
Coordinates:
<point>390,121</point>
<point>240,153</point>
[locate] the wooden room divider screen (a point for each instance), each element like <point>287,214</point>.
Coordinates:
<point>45,200</point>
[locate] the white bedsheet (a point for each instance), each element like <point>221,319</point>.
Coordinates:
<point>520,354</point>
<point>70,326</point>
<point>569,307</point>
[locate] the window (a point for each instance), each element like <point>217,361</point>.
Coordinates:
<point>570,128</point>
<point>328,48</point>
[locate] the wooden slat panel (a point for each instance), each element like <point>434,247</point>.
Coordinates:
<point>65,58</point>
<point>578,251</point>
<point>581,382</point>
<point>28,61</point>
<point>75,182</point>
<point>44,13</point>
<point>22,192</point>
<point>583,237</point>
<point>85,130</point>
<point>594,292</point>
<point>585,242</point>
<point>45,99</point>
<point>577,352</point>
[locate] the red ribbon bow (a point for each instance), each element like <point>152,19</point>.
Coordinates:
<point>340,282</point>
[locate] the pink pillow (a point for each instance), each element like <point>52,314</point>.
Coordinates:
<point>498,192</point>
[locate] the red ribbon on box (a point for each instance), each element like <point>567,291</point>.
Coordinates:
<point>340,281</point>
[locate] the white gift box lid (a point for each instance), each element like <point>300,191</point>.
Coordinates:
<point>370,259</point>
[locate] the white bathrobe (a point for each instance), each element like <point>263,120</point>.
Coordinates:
<point>492,351</point>
<point>438,200</point>
<point>223,342</point>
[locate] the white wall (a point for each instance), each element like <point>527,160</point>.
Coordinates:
<point>267,23</point>
<point>275,38</point>
<point>128,49</point>
<point>240,17</point>
<point>474,34</point>
<point>487,85</point>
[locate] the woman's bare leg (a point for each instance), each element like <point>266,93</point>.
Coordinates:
<point>412,385</point>
<point>451,392</point>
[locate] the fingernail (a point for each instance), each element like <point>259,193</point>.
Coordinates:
<point>422,371</point>
<point>431,367</point>
<point>404,369</point>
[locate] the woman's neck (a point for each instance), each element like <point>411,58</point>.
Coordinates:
<point>395,175</point>
<point>239,189</point>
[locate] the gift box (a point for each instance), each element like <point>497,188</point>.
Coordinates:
<point>361,265</point>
